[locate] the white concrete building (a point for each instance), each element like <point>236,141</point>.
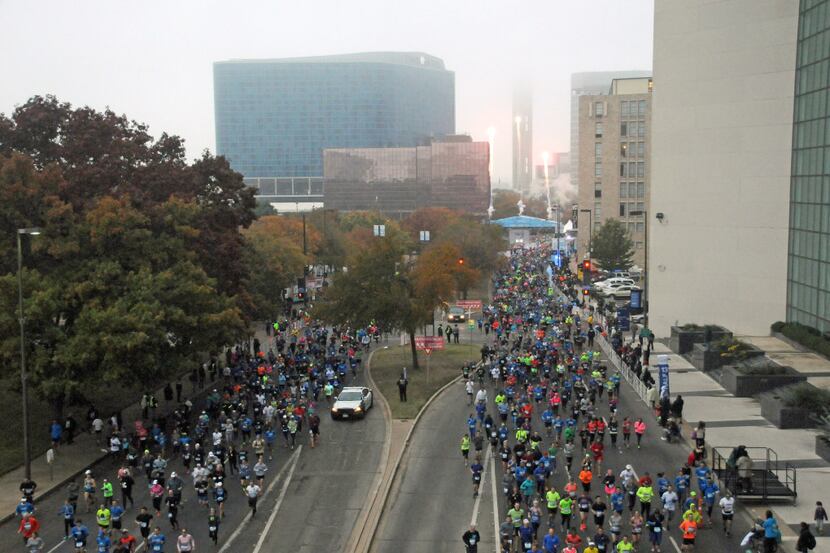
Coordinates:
<point>722,119</point>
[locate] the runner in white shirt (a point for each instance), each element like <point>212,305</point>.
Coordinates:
<point>469,389</point>
<point>669,499</point>
<point>727,509</point>
<point>252,491</point>
<point>481,396</point>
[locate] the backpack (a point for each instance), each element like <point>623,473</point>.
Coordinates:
<point>810,541</point>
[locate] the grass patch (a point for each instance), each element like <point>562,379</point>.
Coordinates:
<point>444,366</point>
<point>815,400</point>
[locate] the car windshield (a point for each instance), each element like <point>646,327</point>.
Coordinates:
<point>349,396</point>
<point>456,311</point>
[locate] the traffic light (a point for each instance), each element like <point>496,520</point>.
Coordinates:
<point>586,271</point>
<point>461,261</point>
<point>586,265</point>
<point>585,291</point>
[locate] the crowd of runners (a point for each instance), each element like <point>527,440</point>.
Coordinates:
<point>263,402</point>
<point>553,422</point>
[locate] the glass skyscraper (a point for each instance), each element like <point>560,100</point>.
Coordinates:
<point>808,280</point>
<point>275,117</point>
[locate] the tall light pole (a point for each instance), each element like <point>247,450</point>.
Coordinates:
<point>24,387</point>
<point>491,137</point>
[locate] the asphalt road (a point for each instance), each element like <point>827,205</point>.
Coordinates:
<point>319,493</point>
<point>432,504</point>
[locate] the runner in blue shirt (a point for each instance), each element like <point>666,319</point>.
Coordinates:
<point>103,541</point>
<point>155,542</point>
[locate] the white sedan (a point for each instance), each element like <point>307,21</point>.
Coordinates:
<point>353,402</point>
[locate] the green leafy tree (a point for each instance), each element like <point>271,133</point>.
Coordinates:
<point>377,288</point>
<point>612,246</point>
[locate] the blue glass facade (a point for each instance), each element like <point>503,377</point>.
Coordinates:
<point>274,118</point>
<point>808,281</point>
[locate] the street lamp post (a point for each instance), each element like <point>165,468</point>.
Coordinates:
<point>590,230</point>
<point>24,387</point>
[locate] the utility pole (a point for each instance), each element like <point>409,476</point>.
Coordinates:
<point>305,251</point>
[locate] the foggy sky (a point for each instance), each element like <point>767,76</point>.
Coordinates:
<point>153,59</point>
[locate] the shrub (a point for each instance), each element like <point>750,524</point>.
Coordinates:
<point>806,336</point>
<point>778,326</point>
<point>815,400</point>
<point>732,348</point>
<point>768,370</point>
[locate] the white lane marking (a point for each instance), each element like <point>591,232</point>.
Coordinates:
<point>674,543</point>
<point>247,518</point>
<point>497,538</point>
<point>477,503</point>
<point>278,503</point>
<point>60,543</point>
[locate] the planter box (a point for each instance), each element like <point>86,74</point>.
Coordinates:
<point>773,409</point>
<point>823,447</point>
<point>681,340</point>
<point>747,385</point>
<point>707,360</point>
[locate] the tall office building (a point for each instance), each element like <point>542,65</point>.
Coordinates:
<point>808,267</point>
<point>275,117</point>
<point>614,151</point>
<point>721,149</point>
<point>590,84</point>
<point>522,139</point>
<point>452,172</point>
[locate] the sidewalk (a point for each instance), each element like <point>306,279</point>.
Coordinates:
<point>734,420</point>
<point>71,460</point>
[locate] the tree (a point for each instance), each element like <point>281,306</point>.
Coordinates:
<point>105,154</point>
<point>377,288</point>
<point>139,266</point>
<point>274,256</point>
<point>433,219</point>
<point>612,246</point>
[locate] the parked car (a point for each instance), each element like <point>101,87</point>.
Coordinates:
<point>353,402</point>
<point>620,291</point>
<point>614,281</point>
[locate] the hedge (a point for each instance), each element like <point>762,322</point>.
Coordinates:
<point>805,335</point>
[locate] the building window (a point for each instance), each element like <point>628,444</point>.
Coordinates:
<point>598,130</point>
<point>624,109</point>
<point>641,149</point>
<point>597,211</point>
<point>597,169</point>
<point>623,190</point>
<point>642,108</point>
<point>641,227</point>
<point>622,210</point>
<point>623,149</point>
<point>623,169</point>
<point>641,190</point>
<point>641,129</point>
<point>641,169</point>
<point>598,149</point>
<point>623,129</point>
<point>597,193</point>
<point>599,109</point>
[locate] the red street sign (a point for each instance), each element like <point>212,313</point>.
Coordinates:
<point>471,305</point>
<point>427,351</point>
<point>430,343</point>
